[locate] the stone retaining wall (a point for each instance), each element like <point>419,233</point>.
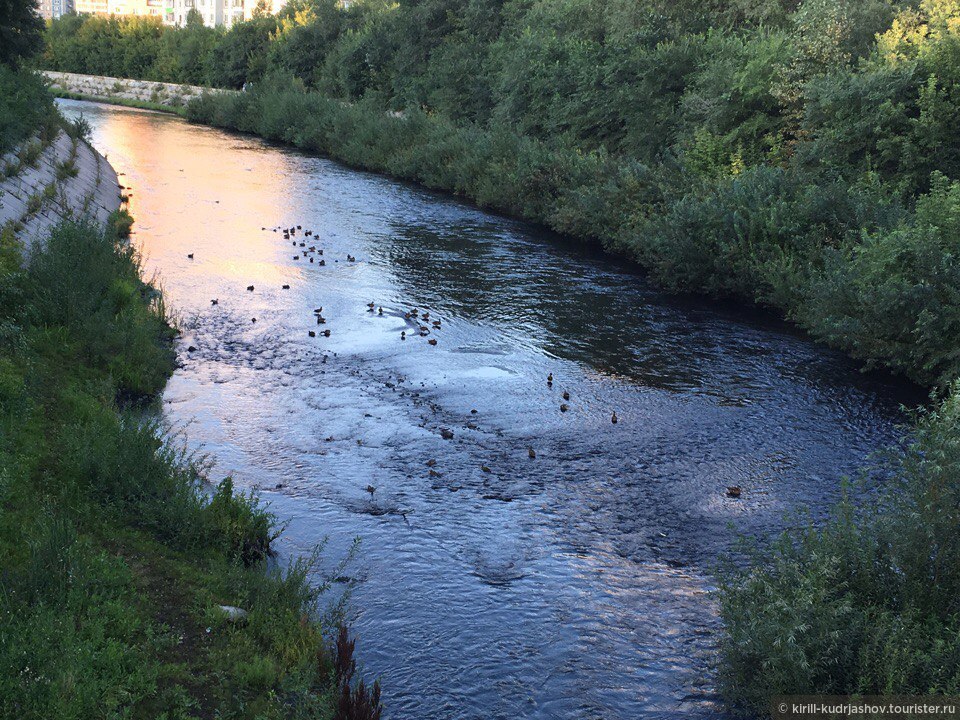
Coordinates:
<point>42,184</point>
<point>110,88</point>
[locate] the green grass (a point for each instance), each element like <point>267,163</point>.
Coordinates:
<point>114,553</point>
<point>113,100</point>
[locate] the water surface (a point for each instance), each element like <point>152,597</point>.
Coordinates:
<point>572,585</point>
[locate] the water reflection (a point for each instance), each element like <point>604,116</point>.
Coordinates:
<point>492,585</point>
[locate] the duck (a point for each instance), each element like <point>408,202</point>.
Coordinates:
<point>322,262</point>
<point>436,323</point>
<point>250,288</point>
<point>296,257</point>
<point>351,258</point>
<point>733,491</point>
<point>311,259</point>
<point>286,287</point>
<point>432,341</point>
<point>566,395</point>
<point>431,462</point>
<point>485,469</point>
<point>563,407</point>
<point>321,320</point>
<point>380,311</point>
<point>531,453</point>
<point>550,379</point>
<point>317,311</point>
<point>371,489</point>
<point>253,319</point>
<point>403,335</point>
<point>215,301</point>
<point>614,418</point>
<point>326,333</point>
<point>371,306</point>
<point>190,256</point>
<point>311,333</point>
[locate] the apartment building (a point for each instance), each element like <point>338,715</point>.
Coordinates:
<point>213,12</point>
<point>53,9</point>
<point>118,7</point>
<point>172,12</point>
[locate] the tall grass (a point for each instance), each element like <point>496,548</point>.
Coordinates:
<point>115,553</point>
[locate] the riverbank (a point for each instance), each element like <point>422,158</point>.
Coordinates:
<point>121,571</point>
<point>131,583</point>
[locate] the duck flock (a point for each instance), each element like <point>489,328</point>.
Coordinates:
<point>422,325</point>
<point>420,320</point>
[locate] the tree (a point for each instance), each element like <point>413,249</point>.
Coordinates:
<point>21,29</point>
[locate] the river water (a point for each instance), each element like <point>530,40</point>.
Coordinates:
<point>570,585</point>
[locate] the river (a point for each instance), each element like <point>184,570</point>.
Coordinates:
<point>488,584</point>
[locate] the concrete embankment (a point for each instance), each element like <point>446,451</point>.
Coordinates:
<point>42,183</point>
<point>111,89</point>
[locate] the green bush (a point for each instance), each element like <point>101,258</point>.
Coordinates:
<point>866,603</point>
<point>26,107</point>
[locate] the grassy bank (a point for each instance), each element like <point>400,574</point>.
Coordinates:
<point>115,556</point>
<point>126,102</point>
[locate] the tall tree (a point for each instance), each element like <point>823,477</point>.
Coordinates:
<point>21,29</point>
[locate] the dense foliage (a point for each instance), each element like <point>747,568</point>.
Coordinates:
<point>803,155</point>
<point>20,31</point>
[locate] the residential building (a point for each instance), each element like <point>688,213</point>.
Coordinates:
<point>53,9</point>
<point>214,12</point>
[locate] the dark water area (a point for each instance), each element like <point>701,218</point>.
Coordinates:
<point>570,585</point>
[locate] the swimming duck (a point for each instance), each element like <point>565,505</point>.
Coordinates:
<point>250,288</point>
<point>550,379</point>
<point>371,489</point>
<point>311,333</point>
<point>351,258</point>
<point>403,335</point>
<point>190,256</point>
<point>531,453</point>
<point>215,302</point>
<point>380,311</point>
<point>286,287</point>
<point>485,469</point>
<point>326,333</point>
<point>322,262</point>
<point>563,407</point>
<point>566,395</point>
<point>432,341</point>
<point>733,491</point>
<point>613,418</point>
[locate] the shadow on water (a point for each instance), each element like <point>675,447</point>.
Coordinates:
<point>491,584</point>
